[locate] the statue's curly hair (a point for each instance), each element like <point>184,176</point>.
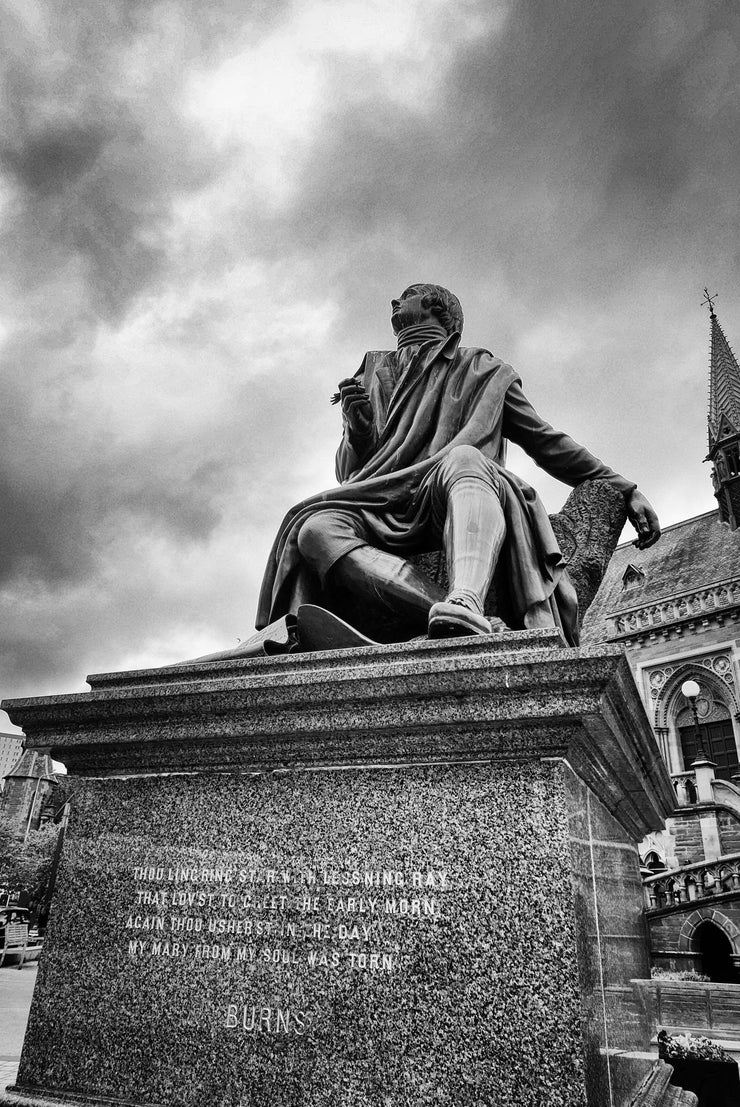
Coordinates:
<point>443,304</point>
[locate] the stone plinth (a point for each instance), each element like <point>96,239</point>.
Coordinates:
<point>391,876</point>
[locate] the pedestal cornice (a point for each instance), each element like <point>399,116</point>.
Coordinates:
<point>517,698</point>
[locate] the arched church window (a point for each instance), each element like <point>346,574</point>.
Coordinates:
<point>731,458</point>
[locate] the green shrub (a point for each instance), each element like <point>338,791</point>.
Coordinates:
<point>689,1047</point>
<point>674,974</point>
<point>26,866</point>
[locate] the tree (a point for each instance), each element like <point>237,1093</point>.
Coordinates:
<point>26,866</point>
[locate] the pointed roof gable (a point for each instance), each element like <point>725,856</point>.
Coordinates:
<point>632,575</point>
<point>32,766</point>
<point>724,386</point>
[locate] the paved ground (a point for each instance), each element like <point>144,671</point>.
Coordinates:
<point>16,989</point>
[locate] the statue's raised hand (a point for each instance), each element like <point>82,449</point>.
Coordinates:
<point>356,406</point>
<point>644,519</point>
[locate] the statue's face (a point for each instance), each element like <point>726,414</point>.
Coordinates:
<point>409,309</point>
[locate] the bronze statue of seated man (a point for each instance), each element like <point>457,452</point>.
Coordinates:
<point>421,467</point>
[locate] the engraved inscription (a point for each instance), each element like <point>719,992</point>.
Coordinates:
<point>321,919</point>
<point>266,1020</point>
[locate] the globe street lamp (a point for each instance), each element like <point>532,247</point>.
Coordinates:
<point>691,692</point>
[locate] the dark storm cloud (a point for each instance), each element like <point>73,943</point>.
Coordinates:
<point>92,153</point>
<point>34,541</point>
<point>572,176</point>
<point>52,532</point>
<point>578,140</point>
<point>55,158</point>
<point>93,137</point>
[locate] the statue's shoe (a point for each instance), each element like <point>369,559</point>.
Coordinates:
<point>452,620</point>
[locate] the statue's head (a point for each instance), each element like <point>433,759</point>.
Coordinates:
<point>435,301</point>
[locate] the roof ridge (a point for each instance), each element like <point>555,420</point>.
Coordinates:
<point>672,526</point>
<point>677,596</point>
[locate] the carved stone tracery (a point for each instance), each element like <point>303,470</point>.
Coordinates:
<point>714,673</point>
<point>703,602</point>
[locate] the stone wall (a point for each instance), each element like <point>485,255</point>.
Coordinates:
<point>687,836</point>
<point>729,831</point>
<point>689,1005</point>
<point>686,843</point>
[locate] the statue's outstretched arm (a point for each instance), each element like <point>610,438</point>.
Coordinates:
<point>566,460</point>
<point>554,451</point>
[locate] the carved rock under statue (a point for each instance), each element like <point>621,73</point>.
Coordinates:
<point>428,531</point>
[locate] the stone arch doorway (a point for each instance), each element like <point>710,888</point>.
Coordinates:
<point>715,950</point>
<point>698,944</point>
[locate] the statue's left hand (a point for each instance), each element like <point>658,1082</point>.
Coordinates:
<point>356,406</point>
<point>642,515</point>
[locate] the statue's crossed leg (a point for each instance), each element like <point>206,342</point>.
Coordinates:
<point>464,514</point>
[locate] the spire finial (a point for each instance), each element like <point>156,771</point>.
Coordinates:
<point>710,299</point>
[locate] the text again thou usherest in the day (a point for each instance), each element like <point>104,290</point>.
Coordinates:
<point>278,917</point>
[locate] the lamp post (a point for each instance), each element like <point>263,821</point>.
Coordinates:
<point>702,766</point>
<point>691,691</point>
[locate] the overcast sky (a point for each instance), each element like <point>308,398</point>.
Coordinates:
<point>205,210</point>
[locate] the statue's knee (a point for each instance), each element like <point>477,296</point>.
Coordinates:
<point>311,539</point>
<point>465,461</point>
<point>324,537</point>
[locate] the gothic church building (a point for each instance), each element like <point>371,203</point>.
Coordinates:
<point>676,609</point>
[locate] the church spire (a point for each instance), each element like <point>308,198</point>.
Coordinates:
<point>724,421</point>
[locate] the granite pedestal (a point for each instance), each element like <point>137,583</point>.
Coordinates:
<point>386,876</point>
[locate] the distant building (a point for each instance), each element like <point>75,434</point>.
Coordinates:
<point>676,609</point>
<point>33,791</point>
<point>11,746</point>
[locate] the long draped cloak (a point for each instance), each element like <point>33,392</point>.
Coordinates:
<point>446,396</point>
